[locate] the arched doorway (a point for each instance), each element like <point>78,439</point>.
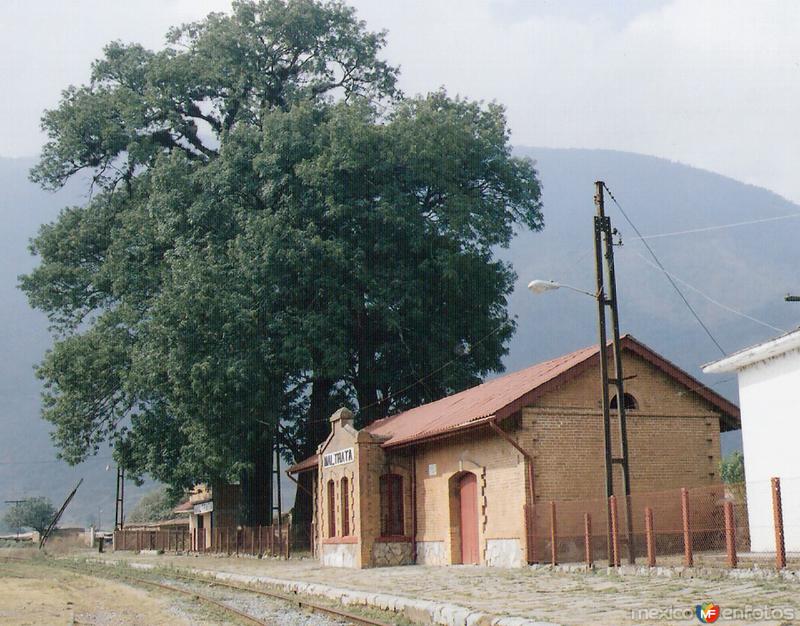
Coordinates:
<point>468,518</point>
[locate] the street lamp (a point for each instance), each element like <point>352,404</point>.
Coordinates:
<point>606,299</point>
<point>541,286</point>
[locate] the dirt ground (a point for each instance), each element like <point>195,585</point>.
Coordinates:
<point>32,592</point>
<point>566,598</point>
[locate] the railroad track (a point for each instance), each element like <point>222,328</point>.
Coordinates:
<point>297,602</point>
<point>312,607</point>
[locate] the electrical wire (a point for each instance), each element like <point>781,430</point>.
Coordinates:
<point>436,371</point>
<point>707,297</point>
<point>669,278</point>
<point>712,228</point>
<point>95,458</point>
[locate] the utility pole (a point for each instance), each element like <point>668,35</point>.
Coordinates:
<point>607,297</point>
<point>276,471</point>
<point>119,507</point>
<point>16,502</point>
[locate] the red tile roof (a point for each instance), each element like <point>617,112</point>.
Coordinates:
<point>494,398</point>
<point>183,507</point>
<point>304,465</point>
<point>505,395</point>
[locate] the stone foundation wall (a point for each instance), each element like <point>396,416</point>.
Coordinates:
<point>504,553</point>
<point>431,553</point>
<point>340,555</point>
<point>390,554</point>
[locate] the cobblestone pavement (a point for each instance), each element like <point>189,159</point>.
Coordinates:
<point>568,598</point>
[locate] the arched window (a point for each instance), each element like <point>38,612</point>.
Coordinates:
<point>391,487</point>
<point>630,402</point>
<point>345,496</point>
<point>331,509</point>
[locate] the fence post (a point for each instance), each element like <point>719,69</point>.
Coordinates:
<point>587,538</point>
<point>288,539</point>
<point>553,534</point>
<point>650,537</point>
<point>612,500</point>
<point>730,534</point>
<point>271,540</point>
<point>260,541</point>
<point>777,516</point>
<point>688,559</point>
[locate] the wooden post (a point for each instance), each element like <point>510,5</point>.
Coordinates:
<point>614,531</point>
<point>777,517</point>
<point>260,540</point>
<point>688,559</point>
<point>228,540</point>
<point>730,534</point>
<point>587,538</point>
<point>553,534</point>
<point>236,541</point>
<point>271,540</point>
<point>288,540</point>
<point>650,537</point>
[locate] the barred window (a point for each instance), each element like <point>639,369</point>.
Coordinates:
<point>345,496</point>
<point>331,509</point>
<point>391,488</point>
<point>630,402</point>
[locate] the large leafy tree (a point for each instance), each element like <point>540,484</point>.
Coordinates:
<point>154,506</point>
<point>35,513</point>
<point>276,232</point>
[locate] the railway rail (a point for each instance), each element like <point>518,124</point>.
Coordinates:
<point>295,601</point>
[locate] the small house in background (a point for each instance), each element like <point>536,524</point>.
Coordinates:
<point>212,508</point>
<point>769,398</point>
<point>468,478</point>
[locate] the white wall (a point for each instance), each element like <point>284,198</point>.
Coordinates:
<point>769,396</point>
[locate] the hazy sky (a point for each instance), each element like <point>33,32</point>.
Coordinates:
<point>711,83</point>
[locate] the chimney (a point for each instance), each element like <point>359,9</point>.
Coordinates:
<point>344,416</point>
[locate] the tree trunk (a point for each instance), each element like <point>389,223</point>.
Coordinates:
<point>257,483</point>
<point>317,428</point>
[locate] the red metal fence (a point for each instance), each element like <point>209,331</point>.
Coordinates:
<point>161,539</point>
<point>256,540</point>
<point>699,526</point>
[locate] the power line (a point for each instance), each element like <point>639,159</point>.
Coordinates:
<point>96,458</point>
<point>434,372</point>
<point>669,278</point>
<point>712,228</point>
<point>709,298</point>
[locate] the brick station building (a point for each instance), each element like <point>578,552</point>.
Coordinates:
<point>467,479</point>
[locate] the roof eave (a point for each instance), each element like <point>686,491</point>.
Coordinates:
<point>755,354</point>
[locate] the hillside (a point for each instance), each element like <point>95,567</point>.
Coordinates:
<point>748,268</point>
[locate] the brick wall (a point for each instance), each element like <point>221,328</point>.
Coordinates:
<point>673,442</point>
<point>500,472</point>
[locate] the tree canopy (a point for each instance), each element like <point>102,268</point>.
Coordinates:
<point>154,506</point>
<point>276,232</point>
<point>34,513</point>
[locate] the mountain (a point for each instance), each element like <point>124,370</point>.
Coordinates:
<point>748,268</point>
<point>28,464</point>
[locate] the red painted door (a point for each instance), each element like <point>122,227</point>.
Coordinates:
<point>468,496</point>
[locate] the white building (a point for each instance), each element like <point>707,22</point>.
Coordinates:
<point>769,399</point>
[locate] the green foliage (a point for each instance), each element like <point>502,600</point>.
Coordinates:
<point>330,244</point>
<point>34,513</point>
<point>731,468</point>
<point>154,506</point>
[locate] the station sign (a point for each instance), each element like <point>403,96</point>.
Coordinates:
<point>203,507</point>
<point>340,457</point>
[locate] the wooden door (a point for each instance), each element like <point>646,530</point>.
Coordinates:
<point>468,498</point>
